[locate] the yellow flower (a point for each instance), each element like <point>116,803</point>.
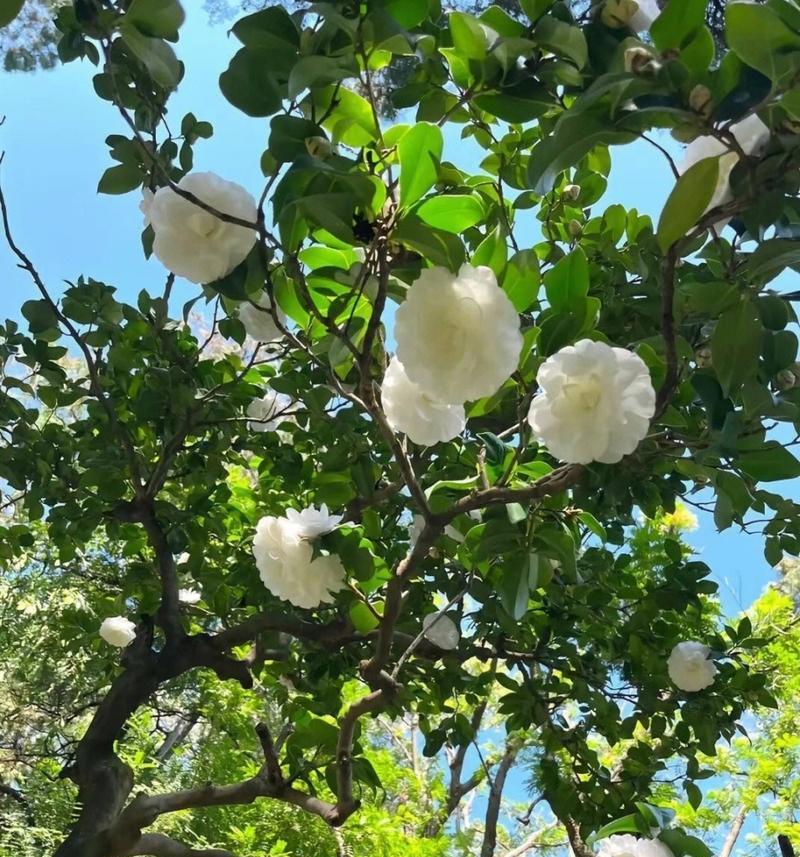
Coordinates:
<point>681,520</point>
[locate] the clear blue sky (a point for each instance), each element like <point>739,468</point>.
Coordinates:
<point>54,139</point>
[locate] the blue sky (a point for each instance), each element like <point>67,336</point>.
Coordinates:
<point>54,140</point>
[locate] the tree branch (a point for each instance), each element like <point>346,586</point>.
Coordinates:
<point>158,845</point>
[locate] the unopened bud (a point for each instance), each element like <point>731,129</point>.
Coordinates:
<point>702,357</point>
<point>571,191</point>
<point>575,228</point>
<point>700,100</point>
<point>319,147</point>
<point>618,13</point>
<point>788,379</point>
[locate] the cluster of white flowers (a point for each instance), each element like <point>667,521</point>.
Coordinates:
<point>594,403</point>
<point>626,845</point>
<point>458,339</point>
<point>752,136</point>
<point>690,667</point>
<point>285,557</point>
<point>192,242</point>
<point>118,631</point>
<point>269,411</point>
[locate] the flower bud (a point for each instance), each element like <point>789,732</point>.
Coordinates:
<point>319,147</point>
<point>618,13</point>
<point>575,228</point>
<point>571,191</point>
<point>700,100</point>
<point>702,357</point>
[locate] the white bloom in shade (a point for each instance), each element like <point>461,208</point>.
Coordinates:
<point>146,204</point>
<point>313,522</point>
<point>188,596</point>
<point>441,630</point>
<point>182,559</point>
<point>751,134</point>
<point>642,19</point>
<point>458,336</point>
<point>190,241</point>
<point>594,403</point>
<point>689,666</point>
<point>265,413</point>
<point>118,631</point>
<point>284,558</point>
<point>625,845</point>
<point>411,411</point>
<point>258,321</point>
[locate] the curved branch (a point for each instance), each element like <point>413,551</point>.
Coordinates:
<point>158,845</point>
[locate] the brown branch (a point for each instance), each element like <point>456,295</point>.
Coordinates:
<point>672,376</point>
<point>334,634</point>
<point>489,843</point>
<point>158,845</point>
<point>576,841</point>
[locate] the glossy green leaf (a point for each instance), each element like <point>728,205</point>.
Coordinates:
<point>158,18</point>
<point>769,53</point>
<point>687,201</point>
<point>736,344</point>
<point>451,212</point>
<point>567,283</point>
<point>155,54</point>
<point>771,463</point>
<point>120,179</point>
<point>419,152</point>
<point>9,9</point>
<point>248,83</point>
<point>678,20</point>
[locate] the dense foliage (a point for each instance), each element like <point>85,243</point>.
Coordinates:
<point>150,451</point>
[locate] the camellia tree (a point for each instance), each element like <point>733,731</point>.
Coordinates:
<point>405,485</point>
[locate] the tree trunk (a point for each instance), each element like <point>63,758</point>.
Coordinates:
<point>495,799</point>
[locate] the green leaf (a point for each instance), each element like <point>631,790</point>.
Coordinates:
<point>419,152</point>
<point>687,201</point>
<point>157,18</point>
<point>435,245</point>
<point>521,279</point>
<point>40,315</point>
<point>9,9</point>
<point>363,619</point>
<point>122,178</point>
<point>351,121</point>
<point>469,38</point>
<point>492,251</point>
<point>593,525</point>
<point>567,283</point>
<point>519,102</point>
<point>678,19</point>
<point>272,29</point>
<point>317,71</point>
<point>770,52</point>
<point>562,39</point>
<point>407,13</point>
<point>518,579</point>
<point>248,83</point>
<point>451,212</point>
<point>771,463</point>
<point>736,345</point>
<point>155,54</point>
<point>288,135</point>
<point>693,793</point>
<point>633,823</point>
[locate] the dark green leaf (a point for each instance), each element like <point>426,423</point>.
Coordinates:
<point>157,18</point>
<point>687,201</point>
<point>736,344</point>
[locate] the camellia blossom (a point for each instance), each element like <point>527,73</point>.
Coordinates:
<point>188,596</point>
<point>441,630</point>
<point>594,403</point>
<point>265,413</point>
<point>626,845</point>
<point>118,631</point>
<point>751,134</point>
<point>192,242</point>
<point>285,558</point>
<point>636,14</point>
<point>458,336</point>
<point>258,321</point>
<point>410,410</point>
<point>690,668</point>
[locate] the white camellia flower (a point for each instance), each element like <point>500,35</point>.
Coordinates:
<point>690,668</point>
<point>458,336</point>
<point>410,410</point>
<point>182,559</point>
<point>313,522</point>
<point>258,321</point>
<point>118,631</point>
<point>192,242</point>
<point>751,134</point>
<point>594,403</point>
<point>625,845</point>
<point>284,558</point>
<point>188,596</point>
<point>638,15</point>
<point>441,630</point>
<point>265,413</point>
